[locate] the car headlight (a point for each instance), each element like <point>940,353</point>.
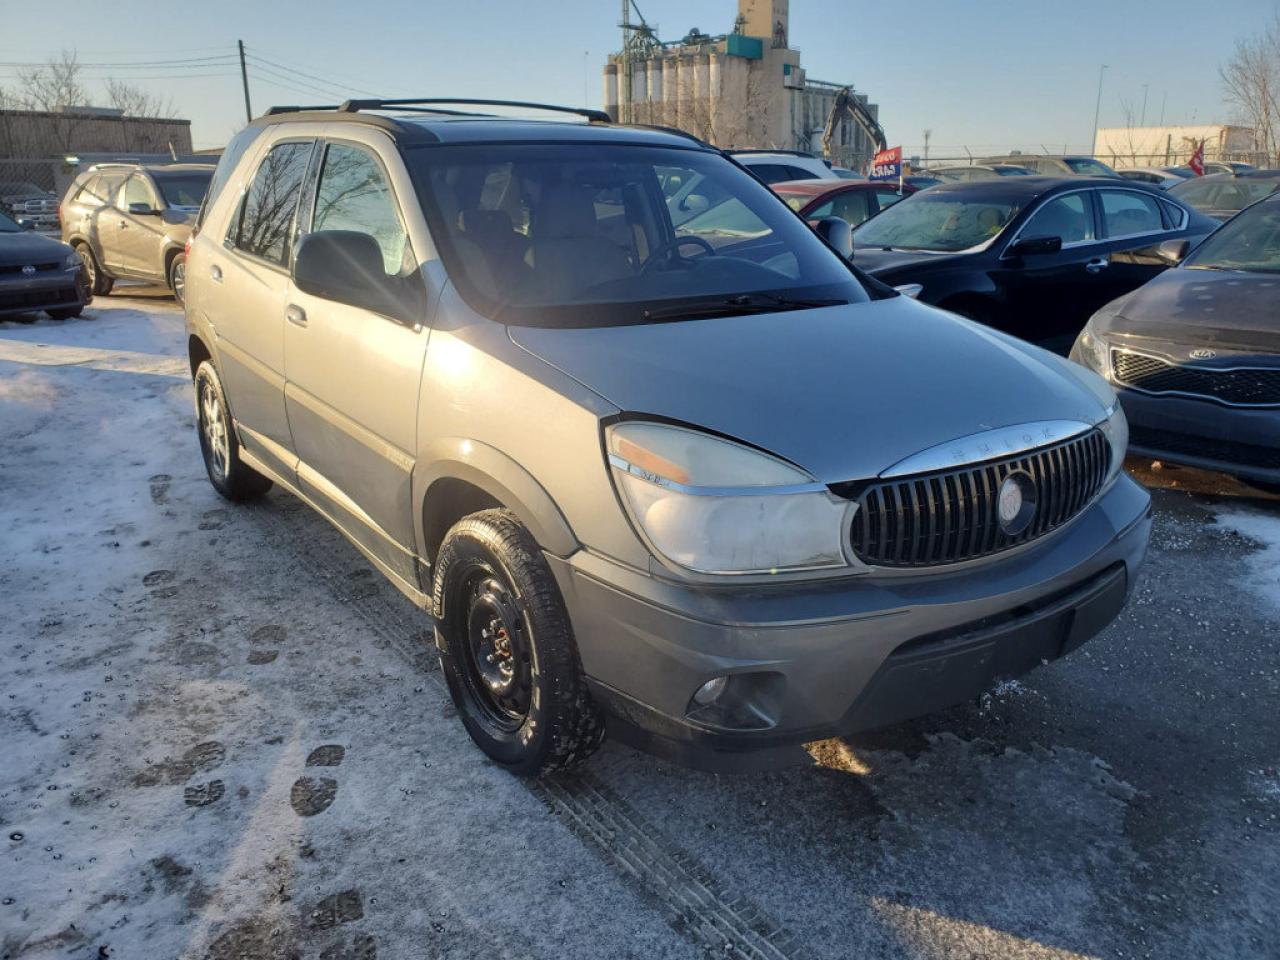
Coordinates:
<point>1091,351</point>
<point>714,506</point>
<point>72,261</point>
<point>1116,429</point>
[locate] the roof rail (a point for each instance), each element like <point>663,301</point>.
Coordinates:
<point>790,153</point>
<point>674,131</point>
<point>353,106</point>
<point>273,111</point>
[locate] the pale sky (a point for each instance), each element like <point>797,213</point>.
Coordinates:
<point>987,74</point>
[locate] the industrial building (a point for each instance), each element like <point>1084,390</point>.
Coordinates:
<point>1167,145</point>
<point>742,89</point>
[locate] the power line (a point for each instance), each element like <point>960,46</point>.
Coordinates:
<point>296,82</point>
<point>187,63</point>
<point>284,85</point>
<point>343,85</point>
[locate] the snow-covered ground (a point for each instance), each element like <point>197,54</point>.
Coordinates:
<point>221,735</point>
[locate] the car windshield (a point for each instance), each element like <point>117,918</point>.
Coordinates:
<point>598,234</point>
<point>1225,193</point>
<point>7,225</point>
<point>944,222</point>
<point>1089,167</point>
<point>183,189</point>
<point>1250,241</point>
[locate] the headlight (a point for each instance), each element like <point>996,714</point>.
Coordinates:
<point>714,506</point>
<point>1092,352</point>
<point>72,261</point>
<point>1116,428</point>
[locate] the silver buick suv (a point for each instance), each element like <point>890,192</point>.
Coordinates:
<point>651,455</point>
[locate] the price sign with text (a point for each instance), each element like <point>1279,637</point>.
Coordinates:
<point>887,164</point>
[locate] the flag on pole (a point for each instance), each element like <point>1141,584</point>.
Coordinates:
<point>1196,163</point>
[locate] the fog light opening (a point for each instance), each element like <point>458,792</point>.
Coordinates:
<point>710,691</point>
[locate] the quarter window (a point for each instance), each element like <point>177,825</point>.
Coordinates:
<point>1127,213</point>
<point>1065,216</point>
<point>266,216</point>
<point>354,195</point>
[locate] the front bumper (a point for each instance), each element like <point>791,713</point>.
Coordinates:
<point>1244,441</point>
<point>822,660</point>
<point>60,290</point>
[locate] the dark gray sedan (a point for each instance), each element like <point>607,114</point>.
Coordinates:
<point>39,273</point>
<point>1195,354</point>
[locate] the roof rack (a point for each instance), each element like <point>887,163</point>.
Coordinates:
<point>354,106</point>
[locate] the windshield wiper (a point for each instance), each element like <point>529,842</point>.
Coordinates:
<point>738,305</point>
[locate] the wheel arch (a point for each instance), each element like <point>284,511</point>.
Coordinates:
<point>197,352</point>
<point>460,476</point>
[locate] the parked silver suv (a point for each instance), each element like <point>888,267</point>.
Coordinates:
<point>711,486</point>
<point>130,221</point>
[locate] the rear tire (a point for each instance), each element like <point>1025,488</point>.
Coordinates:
<point>178,277</point>
<point>219,444</point>
<point>507,648</point>
<point>99,283</point>
<point>67,314</point>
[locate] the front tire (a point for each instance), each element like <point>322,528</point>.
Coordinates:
<point>507,649</point>
<point>219,444</point>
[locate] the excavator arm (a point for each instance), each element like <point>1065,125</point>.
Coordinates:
<point>847,105</point>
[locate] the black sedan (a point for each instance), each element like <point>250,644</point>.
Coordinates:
<point>1195,354</point>
<point>39,273</point>
<point>1223,195</point>
<point>1033,256</point>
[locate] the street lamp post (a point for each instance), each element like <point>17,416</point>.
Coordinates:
<point>1097,108</point>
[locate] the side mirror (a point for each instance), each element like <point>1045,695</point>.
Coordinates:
<point>912,290</point>
<point>1034,246</point>
<point>346,266</point>
<point>837,233</point>
<point>143,210</point>
<point>1173,252</point>
<point>694,203</point>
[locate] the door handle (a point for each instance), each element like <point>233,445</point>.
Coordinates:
<point>1098,264</point>
<point>216,273</point>
<point>295,315</point>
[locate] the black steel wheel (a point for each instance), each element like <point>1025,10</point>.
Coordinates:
<point>507,649</point>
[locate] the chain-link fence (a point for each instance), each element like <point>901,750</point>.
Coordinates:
<point>1115,160</point>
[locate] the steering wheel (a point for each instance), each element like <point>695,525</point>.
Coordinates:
<point>671,246</point>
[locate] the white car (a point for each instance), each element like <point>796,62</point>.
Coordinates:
<point>1156,176</point>
<point>778,166</point>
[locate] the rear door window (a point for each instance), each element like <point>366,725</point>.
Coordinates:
<point>1126,213</point>
<point>137,190</point>
<point>1068,216</point>
<point>265,222</point>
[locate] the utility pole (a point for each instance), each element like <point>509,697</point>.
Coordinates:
<point>927,135</point>
<point>244,78</point>
<point>1144,105</point>
<point>1164,101</point>
<point>1097,108</point>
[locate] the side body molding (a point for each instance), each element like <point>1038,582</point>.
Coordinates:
<point>491,470</point>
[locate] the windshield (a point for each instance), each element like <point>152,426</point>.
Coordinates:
<point>596,234</point>
<point>183,189</point>
<point>1087,166</point>
<point>1225,193</point>
<point>943,222</point>
<point>7,225</point>
<point>1250,241</point>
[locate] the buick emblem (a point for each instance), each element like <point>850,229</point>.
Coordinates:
<point>1202,354</point>
<point>28,270</point>
<point>1016,503</point>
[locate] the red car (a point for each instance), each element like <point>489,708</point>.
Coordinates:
<point>851,200</point>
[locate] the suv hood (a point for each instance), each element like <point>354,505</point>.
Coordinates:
<point>843,392</point>
<point>1227,309</point>
<point>18,249</point>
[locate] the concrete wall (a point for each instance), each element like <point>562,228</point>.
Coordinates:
<point>28,134</point>
<point>1150,146</point>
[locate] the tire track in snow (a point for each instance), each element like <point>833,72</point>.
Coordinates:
<point>696,904</point>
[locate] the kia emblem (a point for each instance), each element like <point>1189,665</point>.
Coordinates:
<point>1202,354</point>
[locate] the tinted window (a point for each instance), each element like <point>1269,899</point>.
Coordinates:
<point>938,221</point>
<point>850,206</point>
<point>772,172</point>
<point>136,190</point>
<point>1067,216</point>
<point>354,195</point>
<point>266,216</point>
<point>582,235</point>
<point>1126,213</point>
<point>887,198</point>
<point>183,189</point>
<point>1087,166</point>
<point>226,166</point>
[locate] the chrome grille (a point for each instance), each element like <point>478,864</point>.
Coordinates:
<point>1237,386</point>
<point>949,516</point>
